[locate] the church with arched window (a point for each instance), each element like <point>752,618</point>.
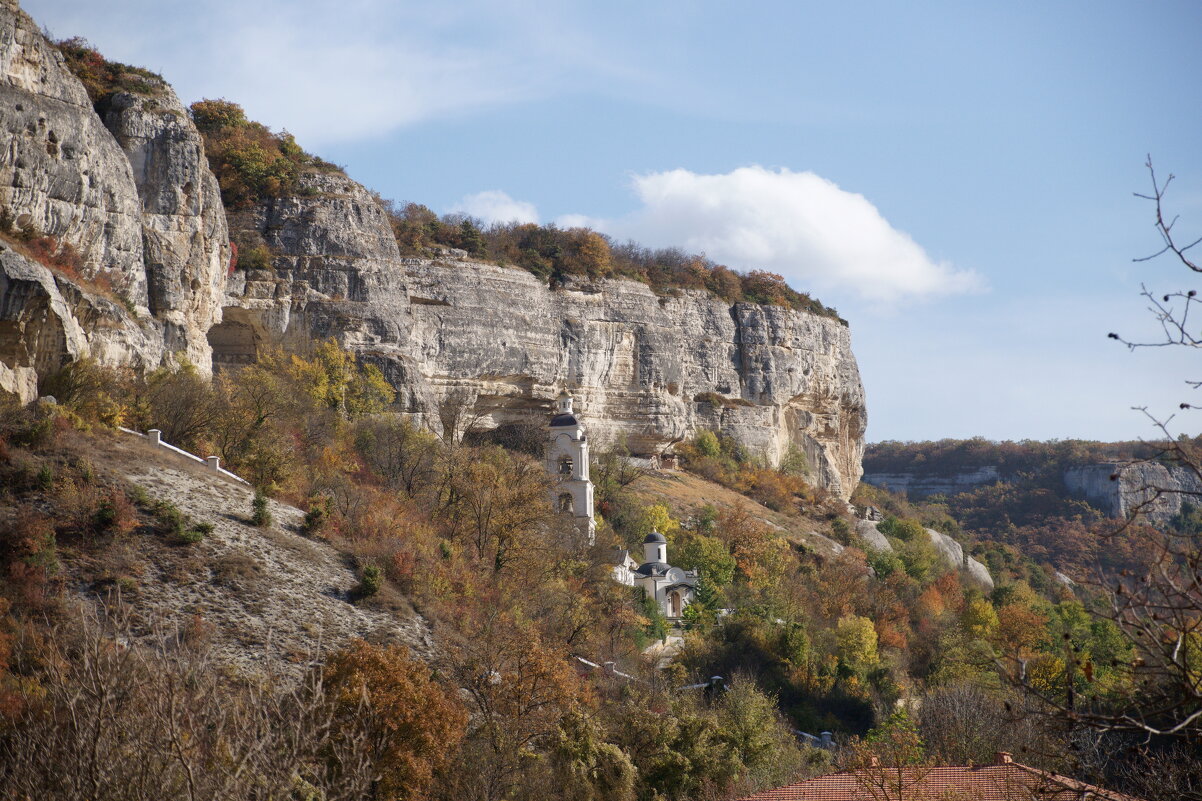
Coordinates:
<point>672,588</point>
<point>567,462</point>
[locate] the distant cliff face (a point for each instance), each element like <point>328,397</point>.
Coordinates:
<point>648,370</point>
<point>1118,489</point>
<point>1154,490</point>
<point>135,200</point>
<point>918,484</point>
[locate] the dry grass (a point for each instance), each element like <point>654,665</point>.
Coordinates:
<point>685,494</point>
<point>259,594</point>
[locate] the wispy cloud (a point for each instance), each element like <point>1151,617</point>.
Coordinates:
<point>357,69</point>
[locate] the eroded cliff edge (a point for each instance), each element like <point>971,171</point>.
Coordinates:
<point>647,369</point>
<point>123,181</point>
<point>123,208</point>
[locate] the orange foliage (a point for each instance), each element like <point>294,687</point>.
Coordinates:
<point>889,636</point>
<point>931,604</point>
<point>414,722</point>
<point>1020,629</point>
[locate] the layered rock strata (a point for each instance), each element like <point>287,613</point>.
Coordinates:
<point>923,485</point>
<point>647,370</point>
<point>129,249</point>
<point>1154,491</point>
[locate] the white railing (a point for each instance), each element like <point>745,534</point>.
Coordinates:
<point>155,437</point>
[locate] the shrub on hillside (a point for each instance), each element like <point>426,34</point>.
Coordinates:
<point>371,580</point>
<point>101,77</point>
<point>260,514</point>
<point>251,162</point>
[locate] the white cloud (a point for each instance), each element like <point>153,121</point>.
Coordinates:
<point>494,206</point>
<point>794,223</point>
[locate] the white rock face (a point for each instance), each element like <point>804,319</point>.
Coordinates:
<point>872,536</point>
<point>46,321</point>
<point>186,247</point>
<point>138,203</point>
<point>1154,490</point>
<point>651,370</point>
<point>61,173</point>
<point>646,369</point>
<point>953,555</point>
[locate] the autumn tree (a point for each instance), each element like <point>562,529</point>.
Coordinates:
<point>498,503</point>
<point>519,691</point>
<point>413,721</point>
<point>856,642</point>
<point>178,402</point>
<point>403,455</point>
<point>891,762</point>
<point>336,379</point>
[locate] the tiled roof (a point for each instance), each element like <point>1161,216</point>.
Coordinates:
<point>1008,781</point>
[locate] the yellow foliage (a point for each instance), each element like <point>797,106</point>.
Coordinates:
<point>980,619</point>
<point>414,722</point>
<point>856,643</point>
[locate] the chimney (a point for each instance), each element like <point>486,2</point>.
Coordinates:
<point>1002,758</point>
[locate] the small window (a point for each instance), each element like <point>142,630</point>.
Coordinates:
<point>565,466</point>
<point>565,503</point>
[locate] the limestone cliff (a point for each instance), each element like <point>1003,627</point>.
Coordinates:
<point>142,213</point>
<point>920,484</point>
<point>647,369</point>
<point>185,241</point>
<point>1154,490</point>
<point>125,184</point>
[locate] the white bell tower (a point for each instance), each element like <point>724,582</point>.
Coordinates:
<point>567,462</point>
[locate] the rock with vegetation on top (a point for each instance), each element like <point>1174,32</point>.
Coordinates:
<point>109,254</point>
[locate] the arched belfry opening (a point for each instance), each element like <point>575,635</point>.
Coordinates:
<point>567,462</point>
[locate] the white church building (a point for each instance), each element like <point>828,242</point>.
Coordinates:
<point>567,462</point>
<point>672,588</point>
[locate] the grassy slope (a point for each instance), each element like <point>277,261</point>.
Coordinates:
<point>260,594</point>
<point>685,494</point>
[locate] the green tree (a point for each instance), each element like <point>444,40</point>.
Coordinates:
<point>586,767</point>
<point>856,644</point>
<point>706,443</point>
<point>707,555</point>
<point>470,238</point>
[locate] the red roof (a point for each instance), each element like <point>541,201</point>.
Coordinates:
<point>1005,781</point>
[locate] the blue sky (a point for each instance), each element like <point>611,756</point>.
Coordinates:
<point>956,178</point>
